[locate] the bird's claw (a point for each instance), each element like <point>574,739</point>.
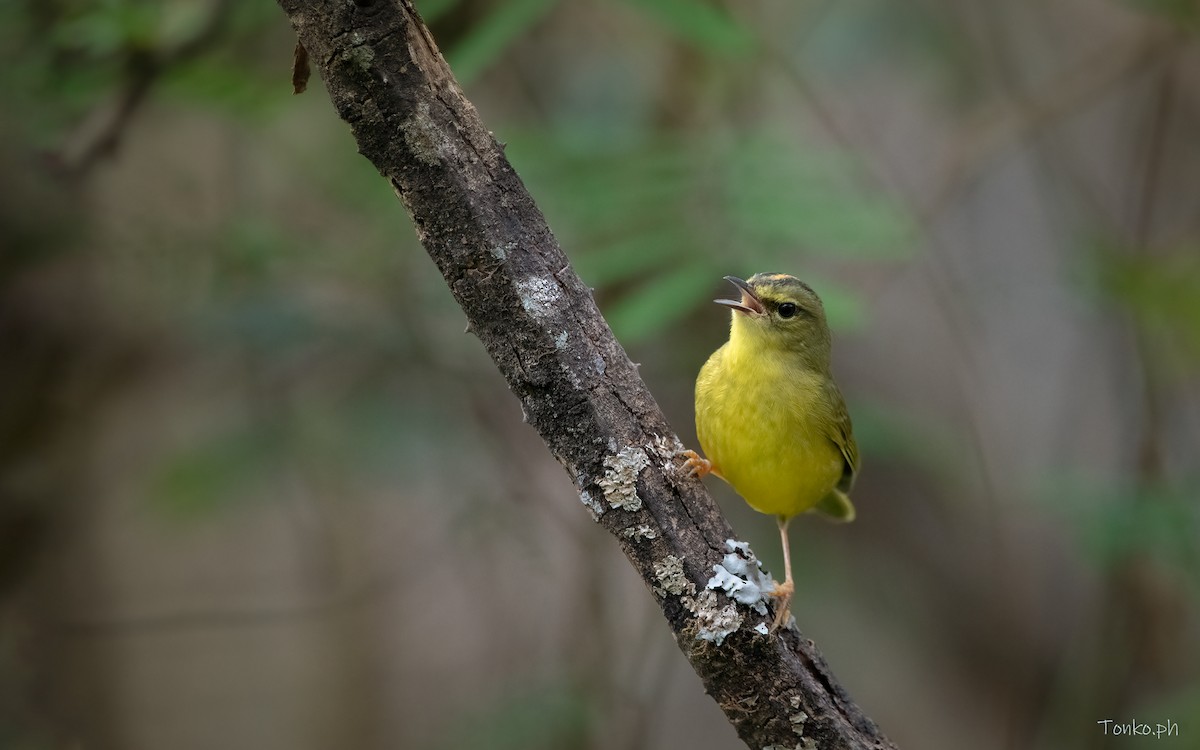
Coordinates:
<point>783,592</point>
<point>695,465</point>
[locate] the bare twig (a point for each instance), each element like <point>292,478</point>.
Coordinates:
<point>99,133</point>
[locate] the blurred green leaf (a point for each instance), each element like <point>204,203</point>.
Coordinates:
<point>432,10</point>
<point>660,302</point>
<point>661,221</point>
<point>886,432</point>
<point>1161,290</point>
<point>215,473</point>
<point>237,90</point>
<point>110,26</point>
<point>250,250</point>
<point>856,36</point>
<point>377,431</point>
<point>1115,523</point>
<point>782,193</point>
<point>630,256</point>
<point>485,43</point>
<point>1184,13</point>
<point>844,307</point>
<point>706,25</point>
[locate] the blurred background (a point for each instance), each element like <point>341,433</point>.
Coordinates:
<point>258,490</point>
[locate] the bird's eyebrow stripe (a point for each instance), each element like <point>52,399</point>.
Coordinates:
<point>783,280</point>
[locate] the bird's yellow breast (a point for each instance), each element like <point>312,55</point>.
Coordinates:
<point>765,425</point>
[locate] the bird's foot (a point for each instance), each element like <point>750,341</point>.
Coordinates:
<point>695,466</point>
<point>783,592</point>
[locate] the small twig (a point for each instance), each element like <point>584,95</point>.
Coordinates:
<point>98,135</point>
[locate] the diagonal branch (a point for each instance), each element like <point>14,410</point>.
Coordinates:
<point>577,387</point>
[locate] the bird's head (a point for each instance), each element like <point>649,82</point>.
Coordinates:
<point>779,311</point>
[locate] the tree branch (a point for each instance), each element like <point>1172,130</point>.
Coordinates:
<point>577,387</point>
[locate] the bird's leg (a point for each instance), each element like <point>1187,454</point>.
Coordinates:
<point>695,466</point>
<point>783,591</point>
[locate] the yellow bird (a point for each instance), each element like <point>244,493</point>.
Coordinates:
<point>768,414</point>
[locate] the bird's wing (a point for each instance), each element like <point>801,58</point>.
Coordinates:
<point>836,505</point>
<point>842,434</point>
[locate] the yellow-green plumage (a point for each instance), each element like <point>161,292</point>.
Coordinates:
<point>769,416</point>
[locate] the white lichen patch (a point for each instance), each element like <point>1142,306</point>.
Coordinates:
<point>797,721</point>
<point>641,531</point>
<point>671,578</point>
<point>619,482</point>
<point>561,340</point>
<point>500,252</point>
<point>425,138</point>
<point>539,296</point>
<point>741,577</point>
<point>808,744</point>
<point>592,504</point>
<point>666,447</point>
<point>714,623</point>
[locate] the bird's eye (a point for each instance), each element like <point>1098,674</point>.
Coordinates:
<point>787,309</point>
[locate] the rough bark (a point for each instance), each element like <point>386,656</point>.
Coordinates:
<point>577,387</point>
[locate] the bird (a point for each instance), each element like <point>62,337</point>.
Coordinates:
<point>770,418</point>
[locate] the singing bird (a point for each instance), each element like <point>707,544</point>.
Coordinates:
<point>769,416</point>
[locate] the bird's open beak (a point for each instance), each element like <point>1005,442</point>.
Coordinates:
<point>748,304</point>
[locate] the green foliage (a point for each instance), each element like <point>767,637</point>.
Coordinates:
<point>1183,13</point>
<point>860,36</point>
<point>706,25</point>
<point>217,472</point>
<point>110,27</point>
<point>488,40</point>
<point>234,88</point>
<point>376,433</point>
<point>432,10</point>
<point>658,222</point>
<point>61,61</point>
<point>1160,521</point>
<point>890,433</point>
<point>661,301</point>
<point>224,77</point>
<point>780,193</point>
<point>42,79</point>
<point>1161,291</point>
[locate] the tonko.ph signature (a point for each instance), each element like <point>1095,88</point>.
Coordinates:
<point>1140,728</point>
